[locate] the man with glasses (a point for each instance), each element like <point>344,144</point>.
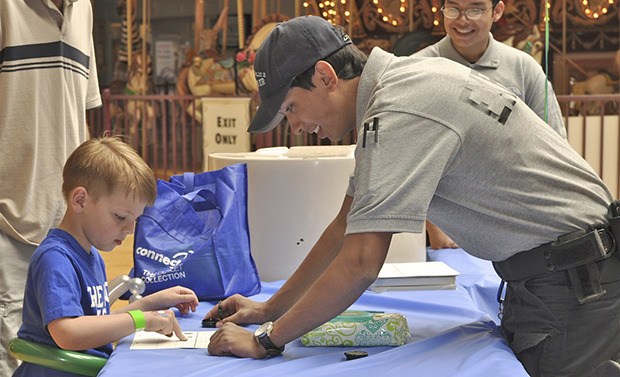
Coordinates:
<point>469,42</point>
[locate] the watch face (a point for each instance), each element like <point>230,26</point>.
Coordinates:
<point>265,328</point>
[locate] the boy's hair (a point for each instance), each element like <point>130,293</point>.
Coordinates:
<point>102,165</point>
<point>348,63</point>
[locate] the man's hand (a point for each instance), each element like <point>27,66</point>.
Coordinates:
<point>232,340</point>
<point>240,310</point>
<point>438,239</point>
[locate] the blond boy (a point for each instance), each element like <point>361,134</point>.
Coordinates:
<point>107,186</point>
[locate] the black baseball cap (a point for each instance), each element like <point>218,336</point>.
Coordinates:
<point>290,49</point>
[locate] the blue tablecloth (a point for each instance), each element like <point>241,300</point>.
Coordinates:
<point>454,333</point>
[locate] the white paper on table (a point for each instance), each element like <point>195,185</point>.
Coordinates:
<point>151,340</point>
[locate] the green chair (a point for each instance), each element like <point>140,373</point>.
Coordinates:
<point>56,358</point>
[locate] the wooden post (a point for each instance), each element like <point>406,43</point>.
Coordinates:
<point>224,27</point>
<point>256,17</point>
<point>410,16</point>
<point>146,5</point>
<point>129,15</point>
<point>351,18</point>
<point>240,24</point>
<point>199,21</point>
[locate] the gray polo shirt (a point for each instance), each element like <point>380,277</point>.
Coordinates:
<point>512,68</point>
<point>465,152</point>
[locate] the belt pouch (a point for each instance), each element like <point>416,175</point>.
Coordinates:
<point>585,281</point>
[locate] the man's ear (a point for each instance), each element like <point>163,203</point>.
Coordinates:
<point>77,199</point>
<point>498,11</point>
<point>325,74</point>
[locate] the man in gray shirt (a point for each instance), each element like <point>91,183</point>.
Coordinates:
<point>442,142</point>
<point>469,42</point>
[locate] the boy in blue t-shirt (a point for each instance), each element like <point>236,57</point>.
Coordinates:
<point>106,186</point>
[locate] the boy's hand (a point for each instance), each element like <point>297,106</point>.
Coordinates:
<point>163,322</point>
<point>182,298</point>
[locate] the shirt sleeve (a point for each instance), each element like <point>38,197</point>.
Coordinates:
<point>93,96</point>
<point>396,176</point>
<point>57,287</point>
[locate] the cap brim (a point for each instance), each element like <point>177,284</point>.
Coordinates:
<point>268,115</point>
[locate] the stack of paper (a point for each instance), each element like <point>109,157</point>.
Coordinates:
<point>415,276</point>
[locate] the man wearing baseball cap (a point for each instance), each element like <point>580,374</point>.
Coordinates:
<point>437,140</point>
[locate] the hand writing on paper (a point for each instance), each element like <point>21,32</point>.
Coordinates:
<point>240,310</point>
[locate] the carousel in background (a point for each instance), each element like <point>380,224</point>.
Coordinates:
<point>169,129</point>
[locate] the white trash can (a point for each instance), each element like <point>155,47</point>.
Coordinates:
<point>293,194</point>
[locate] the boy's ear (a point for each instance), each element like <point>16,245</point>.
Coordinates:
<point>77,199</point>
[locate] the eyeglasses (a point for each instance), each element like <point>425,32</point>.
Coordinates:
<point>471,14</point>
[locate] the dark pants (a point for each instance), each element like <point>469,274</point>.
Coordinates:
<point>552,335</point>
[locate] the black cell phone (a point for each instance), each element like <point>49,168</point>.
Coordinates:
<point>208,322</point>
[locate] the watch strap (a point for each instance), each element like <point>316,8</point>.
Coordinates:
<point>265,341</point>
<point>272,349</point>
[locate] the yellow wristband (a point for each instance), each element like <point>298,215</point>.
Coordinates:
<point>138,319</point>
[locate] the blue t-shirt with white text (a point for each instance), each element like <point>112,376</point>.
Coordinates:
<point>63,281</point>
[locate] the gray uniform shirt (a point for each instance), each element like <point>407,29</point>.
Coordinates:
<point>512,68</point>
<point>465,152</point>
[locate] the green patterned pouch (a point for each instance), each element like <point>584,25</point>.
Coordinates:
<point>355,328</point>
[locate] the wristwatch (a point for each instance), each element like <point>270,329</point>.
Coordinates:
<point>262,336</point>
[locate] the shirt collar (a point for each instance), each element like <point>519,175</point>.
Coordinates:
<point>490,58</point>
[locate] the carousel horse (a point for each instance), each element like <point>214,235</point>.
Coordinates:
<point>210,75</point>
<point>130,115</point>
<point>139,112</point>
<point>598,83</point>
<point>532,44</point>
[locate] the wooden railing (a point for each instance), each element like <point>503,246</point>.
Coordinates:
<point>593,126</point>
<point>164,130</point>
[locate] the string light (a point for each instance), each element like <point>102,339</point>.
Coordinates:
<point>329,9</point>
<point>600,8</point>
<point>435,19</point>
<point>548,6</point>
<point>389,18</point>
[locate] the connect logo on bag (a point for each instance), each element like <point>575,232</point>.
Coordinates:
<point>163,259</point>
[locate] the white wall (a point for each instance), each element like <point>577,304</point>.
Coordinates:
<point>602,142</point>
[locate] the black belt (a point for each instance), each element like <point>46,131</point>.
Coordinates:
<point>568,252</point>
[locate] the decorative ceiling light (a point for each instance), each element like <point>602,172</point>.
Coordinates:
<point>596,8</point>
<point>387,17</point>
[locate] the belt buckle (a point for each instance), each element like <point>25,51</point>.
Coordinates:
<point>606,243</point>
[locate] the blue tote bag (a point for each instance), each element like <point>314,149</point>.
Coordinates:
<point>196,235</point>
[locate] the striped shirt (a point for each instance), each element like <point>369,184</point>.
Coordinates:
<point>48,80</point>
